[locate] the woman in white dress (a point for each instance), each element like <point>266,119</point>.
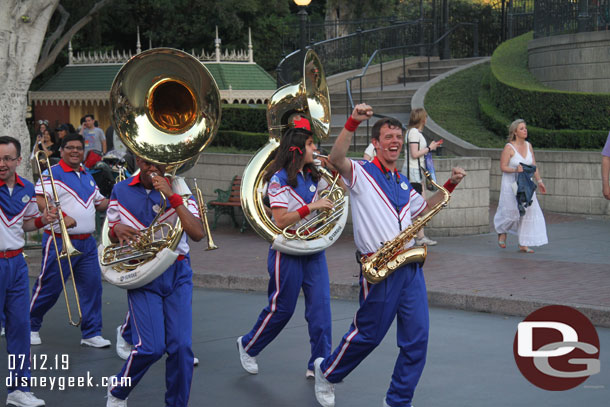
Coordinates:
<point>415,150</point>
<point>530,227</point>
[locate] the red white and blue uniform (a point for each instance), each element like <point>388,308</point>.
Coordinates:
<point>15,208</point>
<point>160,313</point>
<point>288,274</point>
<point>78,195</point>
<point>383,204</point>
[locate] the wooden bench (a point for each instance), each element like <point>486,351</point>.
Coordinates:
<point>226,202</point>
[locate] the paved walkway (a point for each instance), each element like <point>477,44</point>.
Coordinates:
<point>470,272</point>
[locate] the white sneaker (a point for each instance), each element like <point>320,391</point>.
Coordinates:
<point>195,361</point>
<point>20,398</point>
<point>325,390</point>
<point>247,362</point>
<point>123,349</point>
<point>35,338</point>
<point>309,374</point>
<point>425,241</point>
<point>2,331</point>
<point>95,342</point>
<point>114,401</point>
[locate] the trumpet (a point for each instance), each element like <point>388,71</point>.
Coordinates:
<point>67,250</point>
<point>203,213</point>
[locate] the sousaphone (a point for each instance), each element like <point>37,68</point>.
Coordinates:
<point>309,98</point>
<point>166,109</point>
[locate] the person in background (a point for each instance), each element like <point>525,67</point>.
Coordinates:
<point>94,136</point>
<point>606,169</point>
<point>530,227</point>
<point>370,152</point>
<point>415,150</point>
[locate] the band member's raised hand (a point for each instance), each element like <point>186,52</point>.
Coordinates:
<point>125,234</point>
<point>323,203</point>
<point>457,174</point>
<point>362,112</point>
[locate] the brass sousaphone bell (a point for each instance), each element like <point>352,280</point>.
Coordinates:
<point>166,110</point>
<point>309,98</point>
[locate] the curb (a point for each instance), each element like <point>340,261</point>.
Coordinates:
<point>514,306</point>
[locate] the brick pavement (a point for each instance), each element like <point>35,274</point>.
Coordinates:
<point>469,272</point>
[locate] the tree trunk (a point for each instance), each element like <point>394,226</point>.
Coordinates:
<point>23,27</point>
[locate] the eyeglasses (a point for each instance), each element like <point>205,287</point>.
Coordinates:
<point>73,148</point>
<point>8,159</point>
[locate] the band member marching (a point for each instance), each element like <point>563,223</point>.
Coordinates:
<point>383,204</point>
<point>79,197</point>
<point>293,189</point>
<point>18,213</point>
<point>160,312</point>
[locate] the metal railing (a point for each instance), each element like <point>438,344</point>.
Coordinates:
<point>350,51</point>
<point>557,17</point>
<point>428,47</point>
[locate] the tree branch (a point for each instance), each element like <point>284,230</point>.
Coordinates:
<point>63,41</point>
<point>53,37</point>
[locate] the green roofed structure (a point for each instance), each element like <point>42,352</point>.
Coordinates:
<point>83,86</point>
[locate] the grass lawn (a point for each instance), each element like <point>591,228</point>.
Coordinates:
<point>453,104</point>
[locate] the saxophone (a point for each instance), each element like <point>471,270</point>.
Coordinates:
<point>392,255</point>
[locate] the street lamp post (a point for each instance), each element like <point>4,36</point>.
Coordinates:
<point>303,20</point>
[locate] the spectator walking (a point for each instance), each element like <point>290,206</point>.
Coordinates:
<point>530,227</point>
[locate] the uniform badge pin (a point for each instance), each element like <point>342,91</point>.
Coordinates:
<point>312,188</point>
<point>404,186</point>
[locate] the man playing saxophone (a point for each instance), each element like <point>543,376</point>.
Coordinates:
<point>383,204</point>
<point>160,312</point>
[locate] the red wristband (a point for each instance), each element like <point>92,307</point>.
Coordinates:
<point>175,201</point>
<point>303,211</point>
<point>351,124</point>
<point>449,186</point>
<point>38,222</point>
<point>112,234</point>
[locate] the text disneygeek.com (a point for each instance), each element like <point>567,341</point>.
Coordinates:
<point>57,363</point>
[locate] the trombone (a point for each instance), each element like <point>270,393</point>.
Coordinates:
<point>203,211</point>
<point>67,250</point>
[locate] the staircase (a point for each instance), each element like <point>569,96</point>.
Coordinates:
<point>420,72</point>
<point>394,100</point>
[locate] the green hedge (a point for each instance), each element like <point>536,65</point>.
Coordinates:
<point>497,122</point>
<point>516,93</point>
<point>244,118</point>
<point>242,140</point>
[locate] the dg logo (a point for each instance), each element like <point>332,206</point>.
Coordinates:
<point>556,348</point>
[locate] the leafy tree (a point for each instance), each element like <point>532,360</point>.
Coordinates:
<point>26,49</point>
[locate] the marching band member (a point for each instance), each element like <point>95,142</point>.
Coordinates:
<point>79,197</point>
<point>383,203</point>
<point>293,194</point>
<point>160,312</point>
<point>18,212</point>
